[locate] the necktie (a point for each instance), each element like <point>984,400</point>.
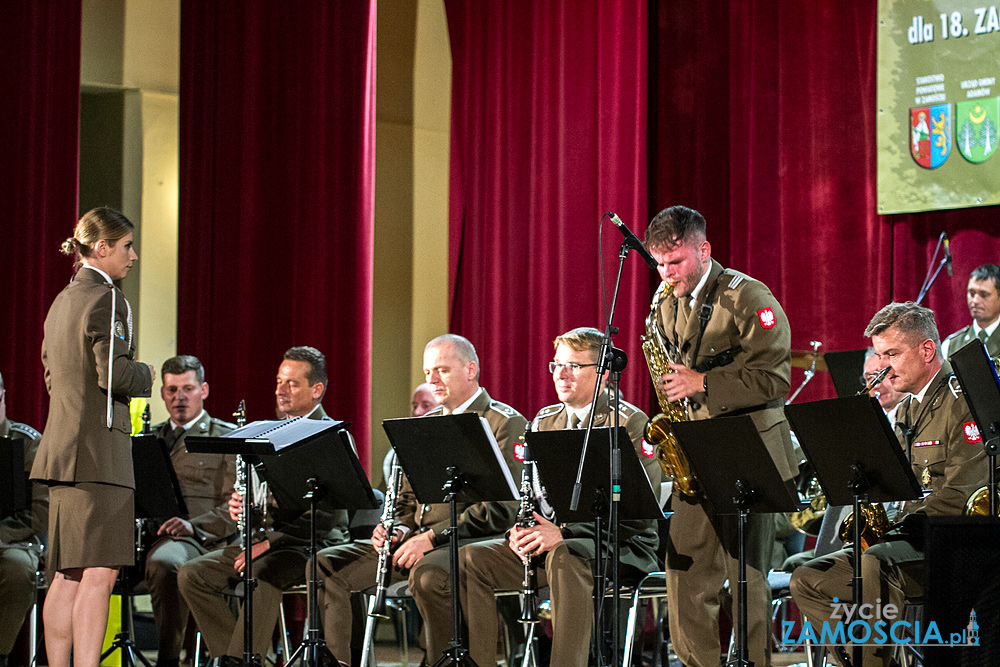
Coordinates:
<point>982,335</point>
<point>574,421</point>
<point>173,437</point>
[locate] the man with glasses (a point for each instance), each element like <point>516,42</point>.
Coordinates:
<point>564,551</point>
<point>947,457</point>
<point>983,298</point>
<point>451,367</point>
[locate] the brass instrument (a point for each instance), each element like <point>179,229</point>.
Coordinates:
<point>874,520</point>
<point>240,484</point>
<point>658,432</point>
<point>526,519</point>
<point>979,503</point>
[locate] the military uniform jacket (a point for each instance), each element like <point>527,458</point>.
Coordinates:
<point>29,524</point>
<point>637,540</point>
<point>77,445</point>
<point>746,319</point>
<point>290,527</point>
<point>206,480</point>
<point>966,335</point>
<point>946,451</point>
<point>475,519</point>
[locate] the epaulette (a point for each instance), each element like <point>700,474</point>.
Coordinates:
<point>24,429</point>
<point>439,410</point>
<point>223,422</point>
<point>550,410</point>
<point>960,332</point>
<point>735,278</point>
<point>627,409</point>
<point>503,409</point>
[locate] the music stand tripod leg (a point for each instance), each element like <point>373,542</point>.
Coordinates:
<point>455,654</point>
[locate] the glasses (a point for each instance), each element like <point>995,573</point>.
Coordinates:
<point>867,377</point>
<point>556,367</point>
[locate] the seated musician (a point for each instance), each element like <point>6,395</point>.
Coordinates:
<point>947,457</point>
<point>206,482</point>
<point>564,551</point>
<point>20,539</point>
<point>451,367</point>
<point>280,547</point>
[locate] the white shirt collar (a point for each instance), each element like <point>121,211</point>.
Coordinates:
<point>989,330</point>
<point>581,414</point>
<point>701,284</point>
<point>464,406</point>
<point>191,423</point>
<point>94,268</point>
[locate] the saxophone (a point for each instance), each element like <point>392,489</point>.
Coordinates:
<point>658,431</point>
<point>240,484</point>
<point>526,519</point>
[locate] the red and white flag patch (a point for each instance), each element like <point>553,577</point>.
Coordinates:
<point>972,434</point>
<point>766,317</point>
<point>647,449</point>
<point>519,451</point>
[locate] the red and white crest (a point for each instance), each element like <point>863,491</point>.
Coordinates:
<point>766,317</point>
<point>519,451</point>
<point>647,449</point>
<point>972,434</point>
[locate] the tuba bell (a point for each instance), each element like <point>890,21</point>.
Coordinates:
<point>658,431</point>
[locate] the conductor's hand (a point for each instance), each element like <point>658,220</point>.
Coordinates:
<point>682,383</point>
<point>235,506</point>
<point>378,537</point>
<point>176,527</point>
<point>255,552</point>
<point>535,540</point>
<point>409,552</point>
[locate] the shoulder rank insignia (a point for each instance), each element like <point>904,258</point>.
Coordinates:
<point>549,410</point>
<point>120,330</point>
<point>503,409</point>
<point>24,429</point>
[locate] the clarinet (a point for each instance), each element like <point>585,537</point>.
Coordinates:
<point>384,571</point>
<point>146,419</point>
<point>240,485</point>
<point>526,519</point>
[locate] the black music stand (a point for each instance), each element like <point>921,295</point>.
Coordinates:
<point>857,458</point>
<point>981,385</point>
<point>157,496</point>
<point>15,489</point>
<point>250,442</point>
<point>737,476</point>
<point>637,501</point>
<point>313,475</point>
<point>846,368</point>
<point>448,457</point>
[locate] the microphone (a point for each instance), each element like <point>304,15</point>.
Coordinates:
<point>632,241</point>
<point>947,253</point>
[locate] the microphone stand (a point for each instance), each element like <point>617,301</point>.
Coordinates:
<point>930,278</point>
<point>615,360</point>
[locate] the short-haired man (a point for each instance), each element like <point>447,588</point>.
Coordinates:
<point>983,298</point>
<point>451,367</point>
<point>734,358</point>
<point>280,549</point>
<point>946,455</point>
<point>564,551</point>
<point>21,535</point>
<point>206,482</point>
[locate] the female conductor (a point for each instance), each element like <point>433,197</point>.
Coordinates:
<point>85,454</point>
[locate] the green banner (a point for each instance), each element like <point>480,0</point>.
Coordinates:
<point>938,121</point>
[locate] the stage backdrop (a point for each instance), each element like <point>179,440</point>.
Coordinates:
<point>40,133</point>
<point>548,133</point>
<point>762,115</point>
<point>276,228</point>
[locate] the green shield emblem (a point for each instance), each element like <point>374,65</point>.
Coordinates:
<point>977,128</point>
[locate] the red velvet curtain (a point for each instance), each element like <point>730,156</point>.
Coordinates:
<point>765,120</point>
<point>40,135</point>
<point>548,133</point>
<point>276,199</point>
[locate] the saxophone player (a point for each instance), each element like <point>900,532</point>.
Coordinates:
<point>734,357</point>
<point>451,367</point>
<point>564,551</point>
<point>947,457</point>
